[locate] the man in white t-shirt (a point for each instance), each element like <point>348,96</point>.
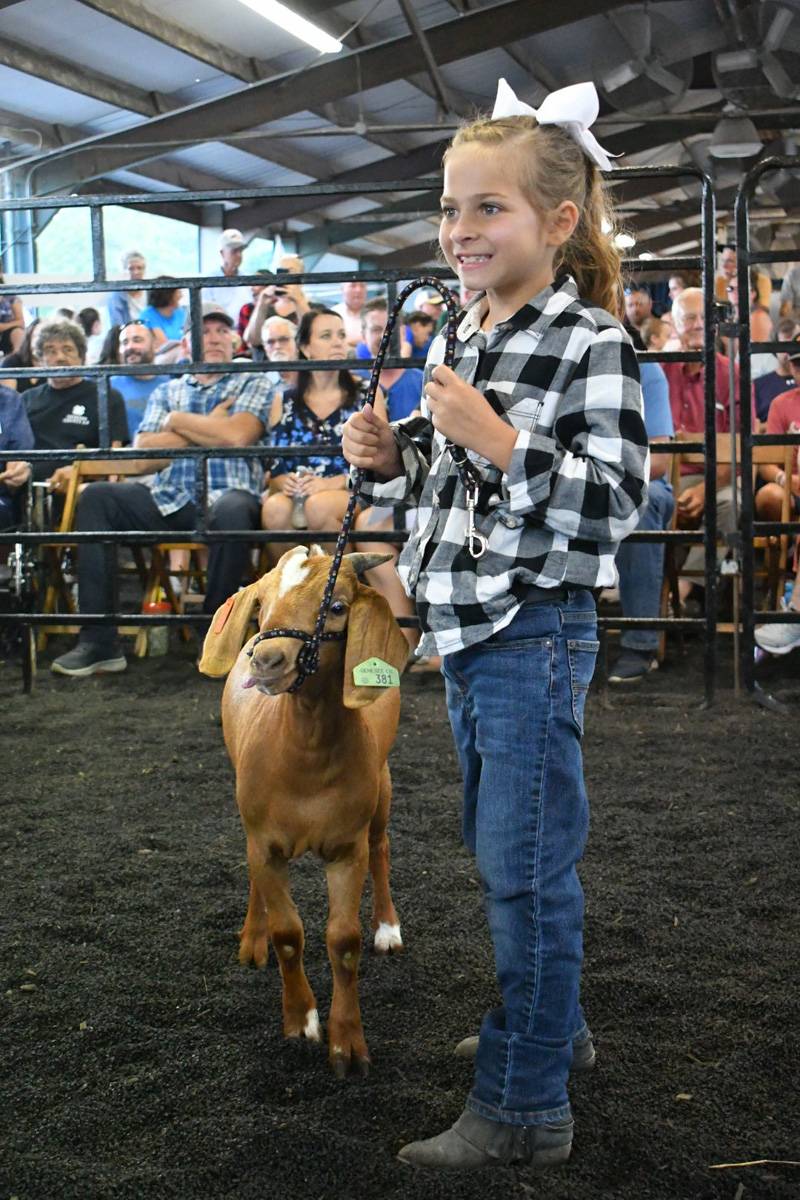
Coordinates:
<point>232,246</point>
<point>353,297</point>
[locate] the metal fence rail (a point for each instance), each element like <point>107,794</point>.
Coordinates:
<point>750,529</point>
<point>704,262</point>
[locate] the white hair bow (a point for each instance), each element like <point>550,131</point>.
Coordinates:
<point>572,108</point>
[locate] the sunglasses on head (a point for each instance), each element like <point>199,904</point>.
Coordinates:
<point>135,321</point>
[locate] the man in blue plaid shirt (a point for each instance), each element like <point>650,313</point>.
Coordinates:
<point>190,410</point>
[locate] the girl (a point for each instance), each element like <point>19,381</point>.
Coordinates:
<point>311,493</point>
<point>545,397</point>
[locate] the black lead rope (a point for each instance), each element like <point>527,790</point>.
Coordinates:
<point>308,657</point>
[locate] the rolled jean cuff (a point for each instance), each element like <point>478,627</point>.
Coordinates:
<point>550,1116</point>
<point>642,639</point>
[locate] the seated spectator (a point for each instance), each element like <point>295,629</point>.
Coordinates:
<point>638,304</point>
<point>727,274</point>
<point>655,333</point>
<point>164,312</point>
<point>12,323</point>
<point>432,304</point>
<point>354,295</point>
<point>767,387</point>
<point>790,293</point>
<point>136,346</point>
<point>312,493</point>
<point>22,358</point>
<point>419,332</point>
<point>126,306</point>
<point>109,351</point>
<point>232,245</point>
<point>89,321</point>
<point>278,341</point>
<point>760,326</point>
<point>15,434</point>
<point>783,417</point>
<point>778,638</point>
<point>402,388</point>
<point>275,300</point>
<point>676,283</point>
<point>64,411</point>
<point>687,401</point>
<point>215,409</point>
<point>641,564</point>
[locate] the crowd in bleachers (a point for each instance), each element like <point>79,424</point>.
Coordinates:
<point>268,323</point>
<point>277,322</point>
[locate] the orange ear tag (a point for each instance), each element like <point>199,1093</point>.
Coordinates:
<point>223,614</point>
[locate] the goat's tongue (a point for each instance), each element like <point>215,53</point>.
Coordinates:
<point>250,681</point>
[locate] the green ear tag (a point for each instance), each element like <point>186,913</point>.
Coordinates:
<point>374,672</point>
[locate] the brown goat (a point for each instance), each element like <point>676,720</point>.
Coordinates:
<point>312,774</point>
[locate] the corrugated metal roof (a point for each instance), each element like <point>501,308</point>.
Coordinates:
<point>92,49</point>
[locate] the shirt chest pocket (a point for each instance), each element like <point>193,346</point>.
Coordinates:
<point>524,410</point>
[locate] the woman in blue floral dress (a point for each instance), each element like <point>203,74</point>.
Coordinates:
<point>311,493</point>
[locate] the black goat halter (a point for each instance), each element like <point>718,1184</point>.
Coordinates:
<point>308,657</point>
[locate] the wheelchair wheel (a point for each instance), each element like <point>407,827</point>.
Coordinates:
<point>28,657</point>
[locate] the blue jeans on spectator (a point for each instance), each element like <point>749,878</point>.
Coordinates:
<point>516,708</point>
<point>641,569</point>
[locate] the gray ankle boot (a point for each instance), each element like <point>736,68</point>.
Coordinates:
<point>474,1142</point>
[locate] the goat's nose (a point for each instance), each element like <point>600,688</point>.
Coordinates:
<point>271,660</point>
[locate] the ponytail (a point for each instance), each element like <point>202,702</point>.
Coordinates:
<point>591,255</point>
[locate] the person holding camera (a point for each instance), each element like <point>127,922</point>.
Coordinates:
<point>286,300</point>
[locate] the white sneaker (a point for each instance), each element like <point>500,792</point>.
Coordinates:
<point>778,639</point>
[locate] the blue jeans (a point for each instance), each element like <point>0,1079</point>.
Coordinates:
<point>516,706</point>
<point>641,569</point>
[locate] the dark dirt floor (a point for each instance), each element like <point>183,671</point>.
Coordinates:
<point>139,1060</point>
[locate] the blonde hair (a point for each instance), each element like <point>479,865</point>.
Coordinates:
<point>553,168</point>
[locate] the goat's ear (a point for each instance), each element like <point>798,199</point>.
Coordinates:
<point>372,632</point>
<point>227,632</point>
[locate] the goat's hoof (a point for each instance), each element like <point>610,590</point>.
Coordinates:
<point>253,949</point>
<point>302,1046</point>
<point>304,1028</point>
<point>356,1065</point>
<point>349,1060</point>
<point>387,939</point>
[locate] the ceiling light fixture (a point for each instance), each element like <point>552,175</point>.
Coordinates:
<point>293,23</point>
<point>735,137</point>
<point>624,241</point>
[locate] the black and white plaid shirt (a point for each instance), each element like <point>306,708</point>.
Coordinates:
<point>565,375</point>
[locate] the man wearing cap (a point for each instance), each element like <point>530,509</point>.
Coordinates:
<point>216,409</point>
<point>403,389</point>
<point>776,382</point>
<point>783,417</point>
<point>231,248</point>
<point>433,305</point>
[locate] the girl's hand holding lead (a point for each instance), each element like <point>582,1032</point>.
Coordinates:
<point>368,442</point>
<point>464,416</point>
